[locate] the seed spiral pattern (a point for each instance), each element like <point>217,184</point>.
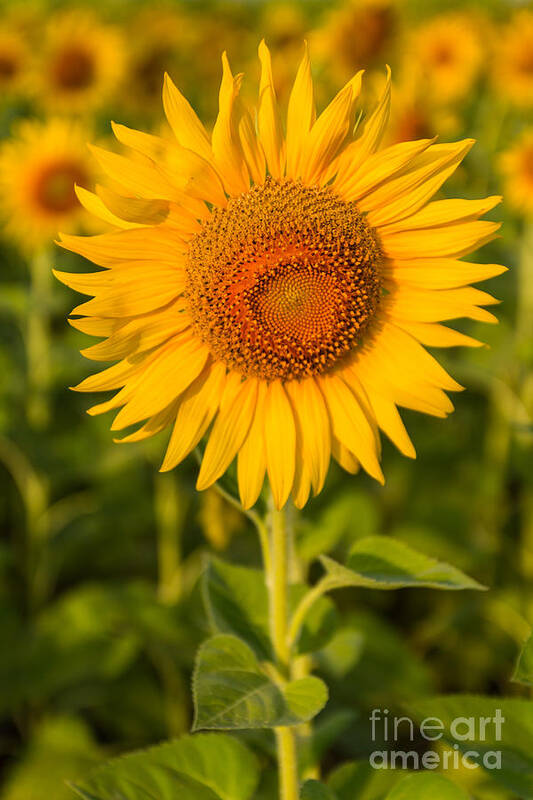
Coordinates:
<point>283,282</point>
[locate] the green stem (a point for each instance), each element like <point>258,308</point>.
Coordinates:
<point>169,520</point>
<point>303,608</point>
<point>261,528</point>
<point>38,342</point>
<point>278,589</point>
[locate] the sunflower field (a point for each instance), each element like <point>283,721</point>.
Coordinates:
<point>272,245</point>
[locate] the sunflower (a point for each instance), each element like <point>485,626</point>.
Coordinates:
<point>517,168</point>
<point>447,52</point>
<point>14,59</point>
<point>413,114</point>
<point>277,291</point>
<point>512,73</point>
<point>80,65</point>
<point>160,37</point>
<point>39,167</point>
<point>357,35</point>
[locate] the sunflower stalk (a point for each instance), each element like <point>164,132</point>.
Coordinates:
<point>277,575</point>
<point>38,341</point>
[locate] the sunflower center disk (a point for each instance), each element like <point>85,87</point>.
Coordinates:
<point>283,282</point>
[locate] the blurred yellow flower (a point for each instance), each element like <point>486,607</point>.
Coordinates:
<point>447,53</point>
<point>411,114</point>
<point>358,34</point>
<point>159,40</point>
<point>39,166</point>
<point>414,115</point>
<point>14,62</point>
<point>512,72</point>
<point>279,288</point>
<point>517,168</point>
<point>80,64</point>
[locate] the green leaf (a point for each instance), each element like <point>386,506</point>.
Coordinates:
<point>423,787</point>
<point>357,779</point>
<point>236,601</point>
<point>524,669</point>
<point>60,747</point>
<point>343,651</point>
<point>231,691</point>
<point>336,522</point>
<point>315,790</point>
<point>381,668</point>
<point>380,562</point>
<point>201,767</point>
<point>511,737</point>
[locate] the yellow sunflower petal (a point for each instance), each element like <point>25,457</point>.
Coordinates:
<point>268,118</point>
<point>252,150</point>
<point>140,334</point>
<point>227,149</point>
<point>184,122</point>
<point>135,297</point>
<point>342,455</point>
<point>148,212</point>
<point>141,178</point>
<point>108,249</point>
<point>118,400</point>
<point>95,326</point>
<point>407,350</point>
<point>154,147</point>
<point>434,335</point>
<point>378,167</point>
<point>406,193</point>
<point>313,423</point>
<point>229,432</point>
<point>94,205</point>
<point>173,369</point>
<point>444,212</point>
<point>196,408</point>
<point>439,273</point>
<point>302,482</point>
<point>329,132</point>
<point>349,423</point>
<point>358,151</point>
<point>155,425</point>
<point>386,415</point>
<point>301,114</point>
<point>419,305</point>
<point>113,377</point>
<point>280,442</point>
<point>181,166</point>
<point>445,241</point>
<point>383,368</point>
<point>251,461</point>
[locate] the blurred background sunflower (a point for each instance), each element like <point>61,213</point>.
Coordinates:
<point>100,610</point>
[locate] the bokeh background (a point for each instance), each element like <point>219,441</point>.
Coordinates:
<point>100,610</point>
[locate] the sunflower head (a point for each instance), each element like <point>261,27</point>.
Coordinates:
<point>358,34</point>
<point>513,60</point>
<point>14,59</point>
<point>40,167</point>
<point>516,165</point>
<point>81,64</point>
<point>448,52</point>
<point>269,289</point>
<point>160,40</point>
